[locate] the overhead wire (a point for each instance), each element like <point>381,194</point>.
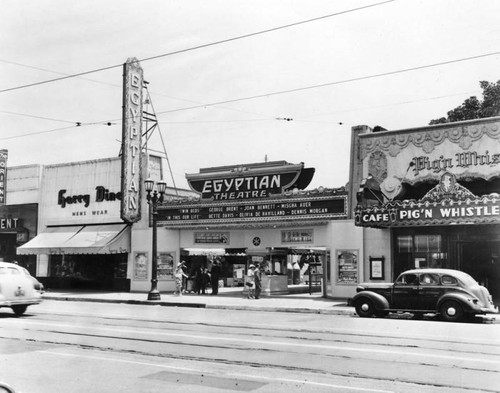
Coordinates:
<point>110,122</point>
<point>224,41</point>
<point>356,79</point>
<point>38,117</point>
<point>162,141</point>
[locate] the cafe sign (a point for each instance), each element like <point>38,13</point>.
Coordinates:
<point>408,213</point>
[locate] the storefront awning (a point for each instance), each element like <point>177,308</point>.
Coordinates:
<point>88,239</point>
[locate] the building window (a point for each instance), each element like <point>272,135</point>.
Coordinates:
<point>405,244</point>
<point>419,251</point>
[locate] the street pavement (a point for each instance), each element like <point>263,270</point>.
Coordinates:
<point>228,298</point>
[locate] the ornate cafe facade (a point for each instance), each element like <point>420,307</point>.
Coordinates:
<point>429,197</point>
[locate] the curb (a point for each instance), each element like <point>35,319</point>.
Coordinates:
<point>138,302</point>
<point>284,309</point>
<point>339,311</point>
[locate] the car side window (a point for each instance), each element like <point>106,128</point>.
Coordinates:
<point>429,279</point>
<point>408,279</point>
<point>449,280</point>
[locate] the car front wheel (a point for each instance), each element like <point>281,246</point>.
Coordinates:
<point>364,308</point>
<point>451,311</point>
<point>19,310</point>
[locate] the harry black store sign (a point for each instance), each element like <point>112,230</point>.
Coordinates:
<point>102,194</point>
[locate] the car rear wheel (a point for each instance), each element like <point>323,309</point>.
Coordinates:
<point>364,308</point>
<point>451,311</point>
<point>19,310</point>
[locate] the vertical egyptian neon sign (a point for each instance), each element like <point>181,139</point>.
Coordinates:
<point>131,141</point>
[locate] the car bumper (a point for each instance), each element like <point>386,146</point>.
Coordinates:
<point>18,302</point>
<point>489,310</point>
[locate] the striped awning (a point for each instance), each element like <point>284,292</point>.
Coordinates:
<point>87,239</point>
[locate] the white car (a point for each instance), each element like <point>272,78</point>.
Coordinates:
<point>18,289</point>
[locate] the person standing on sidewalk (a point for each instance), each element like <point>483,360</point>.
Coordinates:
<point>257,277</point>
<point>250,283</point>
<point>179,274</point>
<point>215,275</point>
<point>201,279</point>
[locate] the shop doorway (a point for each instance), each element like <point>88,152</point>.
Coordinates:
<point>481,259</point>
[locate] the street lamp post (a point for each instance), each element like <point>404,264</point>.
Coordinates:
<point>154,199</point>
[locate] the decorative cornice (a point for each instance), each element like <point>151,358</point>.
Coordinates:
<point>428,138</point>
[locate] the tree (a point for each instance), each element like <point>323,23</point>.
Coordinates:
<point>472,108</point>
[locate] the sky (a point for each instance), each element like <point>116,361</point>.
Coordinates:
<point>224,74</point>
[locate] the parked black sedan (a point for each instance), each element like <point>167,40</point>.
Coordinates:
<point>451,293</point>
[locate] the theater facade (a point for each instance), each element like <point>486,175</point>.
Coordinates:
<point>263,214</point>
<point>429,197</point>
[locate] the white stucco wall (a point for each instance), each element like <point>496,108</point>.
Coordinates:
<point>23,184</point>
<point>344,235</point>
<point>142,241</point>
<point>378,244</point>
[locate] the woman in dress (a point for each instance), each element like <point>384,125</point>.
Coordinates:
<point>179,274</point>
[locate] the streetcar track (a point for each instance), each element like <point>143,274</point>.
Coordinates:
<point>238,347</point>
<point>267,366</point>
<point>380,339</point>
<point>236,336</point>
<point>262,334</point>
<point>451,341</point>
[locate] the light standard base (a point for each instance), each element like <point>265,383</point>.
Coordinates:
<point>154,295</point>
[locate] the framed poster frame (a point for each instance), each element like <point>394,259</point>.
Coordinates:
<point>165,269</point>
<point>141,265</point>
<point>377,268</point>
<point>347,266</point>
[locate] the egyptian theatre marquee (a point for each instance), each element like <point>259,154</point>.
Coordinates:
<point>260,194</point>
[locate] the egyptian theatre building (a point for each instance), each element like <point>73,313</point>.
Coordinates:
<point>429,197</point>
<point>263,214</point>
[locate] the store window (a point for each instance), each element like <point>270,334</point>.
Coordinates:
<point>418,251</point>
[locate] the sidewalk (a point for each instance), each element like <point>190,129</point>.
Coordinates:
<point>228,298</point>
